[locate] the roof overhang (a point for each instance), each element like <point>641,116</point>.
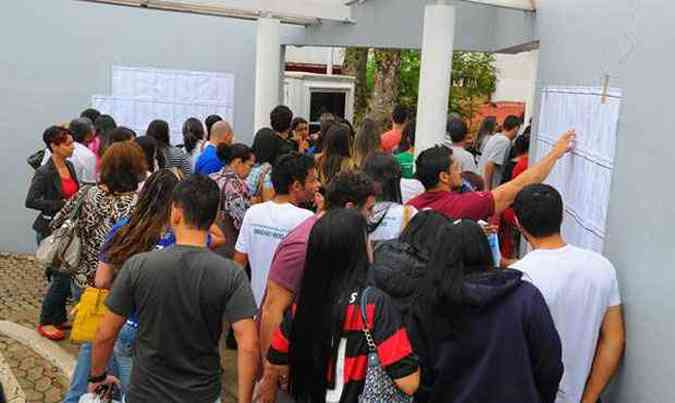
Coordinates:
<point>515,4</point>
<point>297,12</point>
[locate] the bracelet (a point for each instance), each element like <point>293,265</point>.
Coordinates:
<point>100,378</point>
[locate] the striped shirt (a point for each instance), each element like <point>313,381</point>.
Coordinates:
<point>177,158</point>
<point>393,346</point>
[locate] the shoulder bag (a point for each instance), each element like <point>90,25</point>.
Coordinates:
<point>62,249</point>
<point>89,312</point>
<point>379,387</point>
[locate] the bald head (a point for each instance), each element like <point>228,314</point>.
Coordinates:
<point>221,132</point>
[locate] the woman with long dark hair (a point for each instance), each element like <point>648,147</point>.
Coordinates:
<point>174,158</point>
<point>320,350</point>
<point>326,120</point>
<point>154,159</point>
<point>483,334</point>
<point>405,153</point>
<point>390,216</point>
<point>267,148</point>
<point>367,141</point>
<point>104,124</point>
<point>193,140</point>
<point>337,153</point>
<point>399,265</point>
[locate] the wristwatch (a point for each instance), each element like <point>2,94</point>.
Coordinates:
<point>100,378</point>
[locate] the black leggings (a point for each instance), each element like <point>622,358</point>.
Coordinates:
<point>54,304</point>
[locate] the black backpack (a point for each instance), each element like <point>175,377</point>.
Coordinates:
<point>398,269</point>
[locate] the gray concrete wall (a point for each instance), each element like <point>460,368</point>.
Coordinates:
<point>399,24</point>
<point>54,55</point>
<point>633,41</point>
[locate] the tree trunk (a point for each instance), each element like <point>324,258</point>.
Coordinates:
<point>386,83</point>
<point>356,64</point>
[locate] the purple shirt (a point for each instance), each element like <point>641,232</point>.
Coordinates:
<point>288,264</point>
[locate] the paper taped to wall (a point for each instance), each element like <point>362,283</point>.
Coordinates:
<point>583,177</point>
<point>142,94</point>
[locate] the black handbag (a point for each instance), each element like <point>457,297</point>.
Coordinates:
<point>35,159</point>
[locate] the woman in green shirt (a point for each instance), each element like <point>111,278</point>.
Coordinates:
<point>405,153</point>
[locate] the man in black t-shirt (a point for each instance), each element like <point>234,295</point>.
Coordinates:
<point>280,120</point>
<point>182,295</point>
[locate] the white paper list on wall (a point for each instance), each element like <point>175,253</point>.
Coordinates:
<point>583,177</point>
<point>141,94</point>
<point>137,113</point>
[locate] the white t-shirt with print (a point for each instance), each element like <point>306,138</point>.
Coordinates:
<point>392,224</point>
<point>411,188</point>
<point>578,286</point>
<point>263,228</point>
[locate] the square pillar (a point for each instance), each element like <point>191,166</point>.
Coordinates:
<point>435,72</point>
<point>267,70</point>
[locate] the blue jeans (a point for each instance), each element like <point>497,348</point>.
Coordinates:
<point>123,354</point>
<point>80,381</point>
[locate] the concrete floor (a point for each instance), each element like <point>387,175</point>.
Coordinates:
<point>36,376</point>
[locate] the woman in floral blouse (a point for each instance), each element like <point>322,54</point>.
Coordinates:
<point>238,159</point>
<point>122,167</point>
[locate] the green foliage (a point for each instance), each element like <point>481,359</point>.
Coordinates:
<point>411,63</point>
<point>474,79</point>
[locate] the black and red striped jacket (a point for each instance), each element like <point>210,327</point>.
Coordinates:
<point>349,371</point>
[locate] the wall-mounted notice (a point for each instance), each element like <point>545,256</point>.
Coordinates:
<point>141,94</point>
<point>583,177</point>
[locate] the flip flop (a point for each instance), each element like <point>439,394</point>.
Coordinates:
<point>58,335</point>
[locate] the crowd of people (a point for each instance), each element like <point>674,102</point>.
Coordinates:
<point>341,266</point>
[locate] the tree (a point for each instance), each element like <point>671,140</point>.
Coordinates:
<point>356,64</point>
<point>385,92</point>
<point>474,78</point>
<point>411,63</point>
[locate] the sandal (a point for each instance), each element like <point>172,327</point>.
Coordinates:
<point>56,335</point>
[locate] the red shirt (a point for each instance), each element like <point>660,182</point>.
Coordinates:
<point>390,140</point>
<point>68,187</point>
<point>473,205</point>
<point>520,167</point>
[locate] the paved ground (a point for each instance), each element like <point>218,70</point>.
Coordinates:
<point>22,285</point>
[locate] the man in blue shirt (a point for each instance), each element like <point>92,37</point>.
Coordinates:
<point>208,162</point>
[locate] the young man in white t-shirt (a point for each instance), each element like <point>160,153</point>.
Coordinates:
<point>496,153</point>
<point>295,181</point>
<point>582,293</point>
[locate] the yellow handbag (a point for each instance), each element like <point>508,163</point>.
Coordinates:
<point>88,315</point>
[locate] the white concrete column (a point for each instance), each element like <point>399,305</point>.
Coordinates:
<point>267,70</point>
<point>434,90</point>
